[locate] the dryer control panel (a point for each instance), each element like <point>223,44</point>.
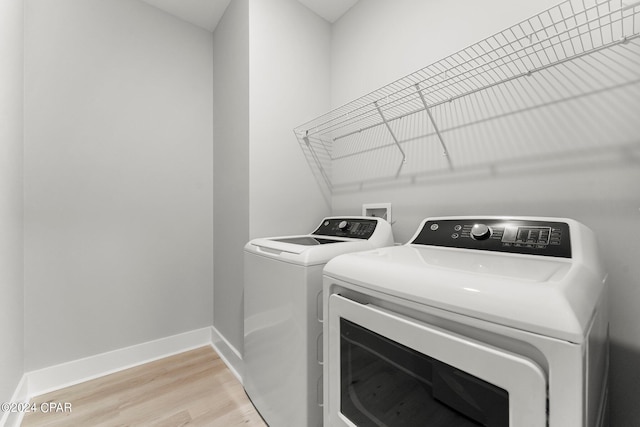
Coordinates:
<point>356,228</point>
<point>501,235</point>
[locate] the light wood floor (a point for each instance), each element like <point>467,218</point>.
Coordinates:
<point>194,388</point>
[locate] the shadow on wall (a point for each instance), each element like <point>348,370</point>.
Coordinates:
<point>623,386</point>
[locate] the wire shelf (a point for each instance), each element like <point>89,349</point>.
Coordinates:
<point>573,50</point>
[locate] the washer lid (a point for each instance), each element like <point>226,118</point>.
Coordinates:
<point>334,236</point>
<point>306,240</point>
<point>299,250</point>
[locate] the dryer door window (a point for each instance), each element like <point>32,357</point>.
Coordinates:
<point>386,369</point>
<point>386,383</point>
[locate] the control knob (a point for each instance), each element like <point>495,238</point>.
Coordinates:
<point>343,225</point>
<point>480,232</point>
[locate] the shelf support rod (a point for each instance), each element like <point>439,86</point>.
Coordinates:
<point>327,181</point>
<point>386,123</point>
<point>435,126</point>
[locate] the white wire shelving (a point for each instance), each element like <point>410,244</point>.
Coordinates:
<point>571,51</point>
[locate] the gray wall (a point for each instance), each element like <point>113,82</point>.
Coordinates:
<point>231,167</point>
<point>598,186</point>
<point>290,57</point>
<point>271,73</point>
<point>118,177</point>
<point>11,149</point>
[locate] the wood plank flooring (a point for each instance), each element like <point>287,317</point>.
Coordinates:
<point>194,388</point>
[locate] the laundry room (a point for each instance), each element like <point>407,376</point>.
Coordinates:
<point>143,146</point>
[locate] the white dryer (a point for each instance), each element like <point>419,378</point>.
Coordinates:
<point>282,312</point>
<point>488,321</point>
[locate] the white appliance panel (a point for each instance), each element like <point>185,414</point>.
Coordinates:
<point>524,381</point>
<point>283,312</point>
<point>281,339</point>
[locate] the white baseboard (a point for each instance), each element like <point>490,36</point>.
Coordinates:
<point>76,371</point>
<point>41,381</point>
<point>228,353</point>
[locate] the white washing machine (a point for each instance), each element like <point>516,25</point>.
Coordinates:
<point>478,321</point>
<point>282,311</point>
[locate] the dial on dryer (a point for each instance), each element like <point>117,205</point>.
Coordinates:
<point>480,232</point>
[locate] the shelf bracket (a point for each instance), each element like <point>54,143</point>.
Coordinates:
<point>386,123</point>
<point>435,126</point>
<point>306,140</point>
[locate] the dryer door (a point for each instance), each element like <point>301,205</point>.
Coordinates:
<point>385,369</point>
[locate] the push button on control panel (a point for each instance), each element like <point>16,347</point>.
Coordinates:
<point>556,236</point>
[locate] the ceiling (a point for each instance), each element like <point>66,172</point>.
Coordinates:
<point>331,10</point>
<point>207,13</point>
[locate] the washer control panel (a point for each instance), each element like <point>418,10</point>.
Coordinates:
<point>501,235</point>
<point>356,228</point>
